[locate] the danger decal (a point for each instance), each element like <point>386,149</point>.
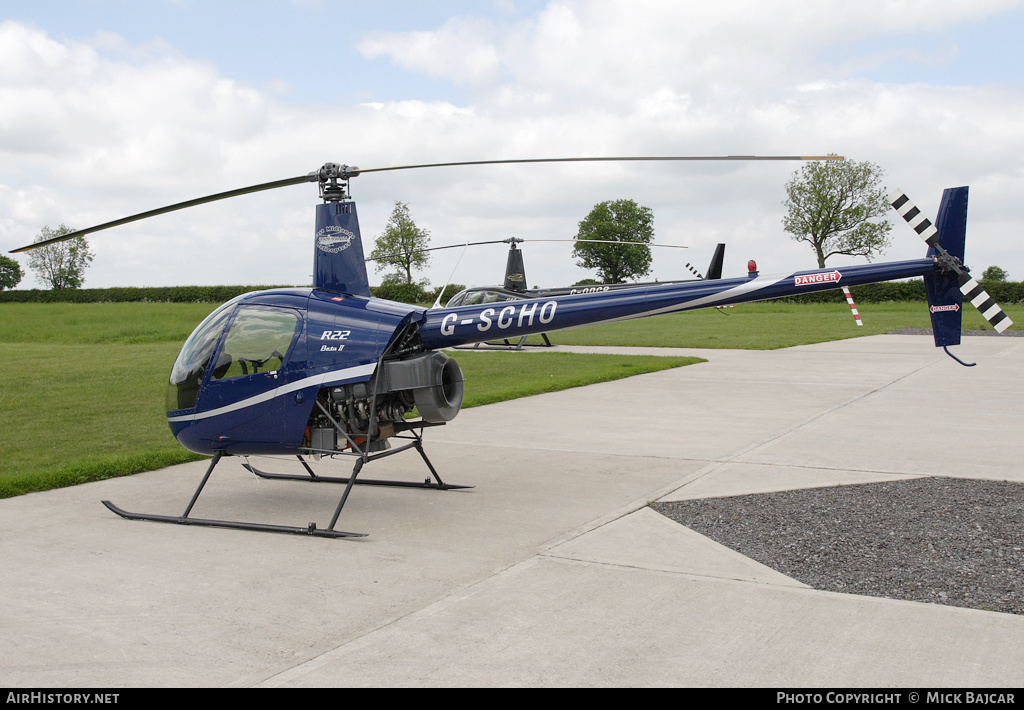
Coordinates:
<point>814,279</point>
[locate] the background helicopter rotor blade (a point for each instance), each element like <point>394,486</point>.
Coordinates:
<point>517,240</point>
<point>609,242</point>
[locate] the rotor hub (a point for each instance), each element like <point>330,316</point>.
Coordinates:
<point>333,179</point>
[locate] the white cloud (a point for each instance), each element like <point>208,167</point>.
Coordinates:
<point>459,50</point>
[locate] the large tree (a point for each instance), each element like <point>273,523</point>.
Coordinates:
<point>10,273</point>
<point>995,273</point>
<point>401,246</point>
<point>616,221</point>
<point>63,264</point>
<point>833,205</point>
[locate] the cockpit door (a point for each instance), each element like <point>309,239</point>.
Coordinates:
<point>247,366</point>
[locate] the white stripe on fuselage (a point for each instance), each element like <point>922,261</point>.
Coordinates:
<point>317,380</point>
<point>755,284</point>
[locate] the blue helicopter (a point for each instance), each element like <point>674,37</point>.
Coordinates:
<point>331,370</point>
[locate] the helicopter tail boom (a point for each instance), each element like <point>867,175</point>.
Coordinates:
<point>448,327</point>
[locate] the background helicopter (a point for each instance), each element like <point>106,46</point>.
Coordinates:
<point>514,286</point>
<point>330,370</point>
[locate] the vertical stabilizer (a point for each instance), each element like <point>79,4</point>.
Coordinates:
<point>945,301</point>
<point>715,267</point>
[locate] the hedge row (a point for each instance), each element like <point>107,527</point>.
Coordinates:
<point>164,294</point>
<point>406,293</point>
<point>1005,292</point>
<point>414,293</point>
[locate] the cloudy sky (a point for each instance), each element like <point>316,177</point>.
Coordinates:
<point>111,108</point>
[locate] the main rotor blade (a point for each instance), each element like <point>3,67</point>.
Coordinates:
<point>345,171</point>
<point>312,177</point>
<point>357,171</point>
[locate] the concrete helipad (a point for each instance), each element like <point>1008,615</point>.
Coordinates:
<point>552,571</point>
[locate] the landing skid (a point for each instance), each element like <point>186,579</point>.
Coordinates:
<point>185,520</point>
<point>312,528</point>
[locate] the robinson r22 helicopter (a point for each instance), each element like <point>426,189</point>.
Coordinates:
<point>331,370</point>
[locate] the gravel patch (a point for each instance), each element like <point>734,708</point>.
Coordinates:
<point>951,541</point>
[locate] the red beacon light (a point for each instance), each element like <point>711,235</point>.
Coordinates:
<point>752,268</point>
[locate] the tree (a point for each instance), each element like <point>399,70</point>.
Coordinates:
<point>10,273</point>
<point>63,264</point>
<point>994,273</point>
<point>401,245</point>
<point>831,204</point>
<point>616,221</point>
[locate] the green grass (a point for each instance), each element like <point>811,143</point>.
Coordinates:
<point>90,323</point>
<point>500,376</point>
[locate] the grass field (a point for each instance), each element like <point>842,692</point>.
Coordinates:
<point>83,385</point>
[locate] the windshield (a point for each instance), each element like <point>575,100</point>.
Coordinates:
<point>189,368</point>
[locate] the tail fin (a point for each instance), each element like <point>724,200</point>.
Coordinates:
<point>715,267</point>
<point>515,270</point>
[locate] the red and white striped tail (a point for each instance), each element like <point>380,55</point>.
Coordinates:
<point>853,306</point>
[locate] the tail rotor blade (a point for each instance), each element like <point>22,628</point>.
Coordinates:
<point>980,299</point>
<point>914,217</point>
<point>970,288</point>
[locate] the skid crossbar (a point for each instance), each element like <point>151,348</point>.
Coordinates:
<point>313,477</point>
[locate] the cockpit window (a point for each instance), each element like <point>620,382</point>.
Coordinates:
<point>188,370</point>
<point>457,299</point>
<point>258,341</point>
<point>472,297</point>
